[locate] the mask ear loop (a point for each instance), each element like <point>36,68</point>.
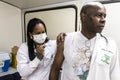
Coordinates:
<point>31,37</point>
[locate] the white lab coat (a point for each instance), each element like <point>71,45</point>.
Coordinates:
<point>35,69</point>
<point>104,63</point>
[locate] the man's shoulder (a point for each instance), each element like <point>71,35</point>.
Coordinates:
<point>71,34</point>
<point>70,37</point>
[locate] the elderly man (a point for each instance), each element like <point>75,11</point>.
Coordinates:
<point>87,54</point>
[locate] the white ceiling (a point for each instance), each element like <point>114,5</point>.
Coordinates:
<point>23,4</point>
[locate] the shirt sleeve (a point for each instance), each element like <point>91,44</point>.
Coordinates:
<point>25,67</point>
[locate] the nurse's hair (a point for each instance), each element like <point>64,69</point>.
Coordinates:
<point>30,27</point>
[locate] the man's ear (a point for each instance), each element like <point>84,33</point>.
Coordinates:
<point>83,16</point>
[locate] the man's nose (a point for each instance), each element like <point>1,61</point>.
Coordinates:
<point>103,19</point>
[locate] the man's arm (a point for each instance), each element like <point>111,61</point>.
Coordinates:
<point>59,58</point>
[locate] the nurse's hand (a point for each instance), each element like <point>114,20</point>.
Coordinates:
<point>60,41</point>
<point>40,50</point>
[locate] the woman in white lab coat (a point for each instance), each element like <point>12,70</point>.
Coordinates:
<point>36,55</point>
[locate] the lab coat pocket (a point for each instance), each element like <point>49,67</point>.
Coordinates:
<point>104,57</point>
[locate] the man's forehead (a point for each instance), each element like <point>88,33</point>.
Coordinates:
<point>93,4</point>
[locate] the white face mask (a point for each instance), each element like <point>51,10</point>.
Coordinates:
<point>39,38</point>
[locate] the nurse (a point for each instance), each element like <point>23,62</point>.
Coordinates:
<point>87,54</point>
<point>36,55</point>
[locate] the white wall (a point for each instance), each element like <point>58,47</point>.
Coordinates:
<point>112,27</point>
<point>53,32</point>
<point>10,27</point>
<point>60,20</point>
